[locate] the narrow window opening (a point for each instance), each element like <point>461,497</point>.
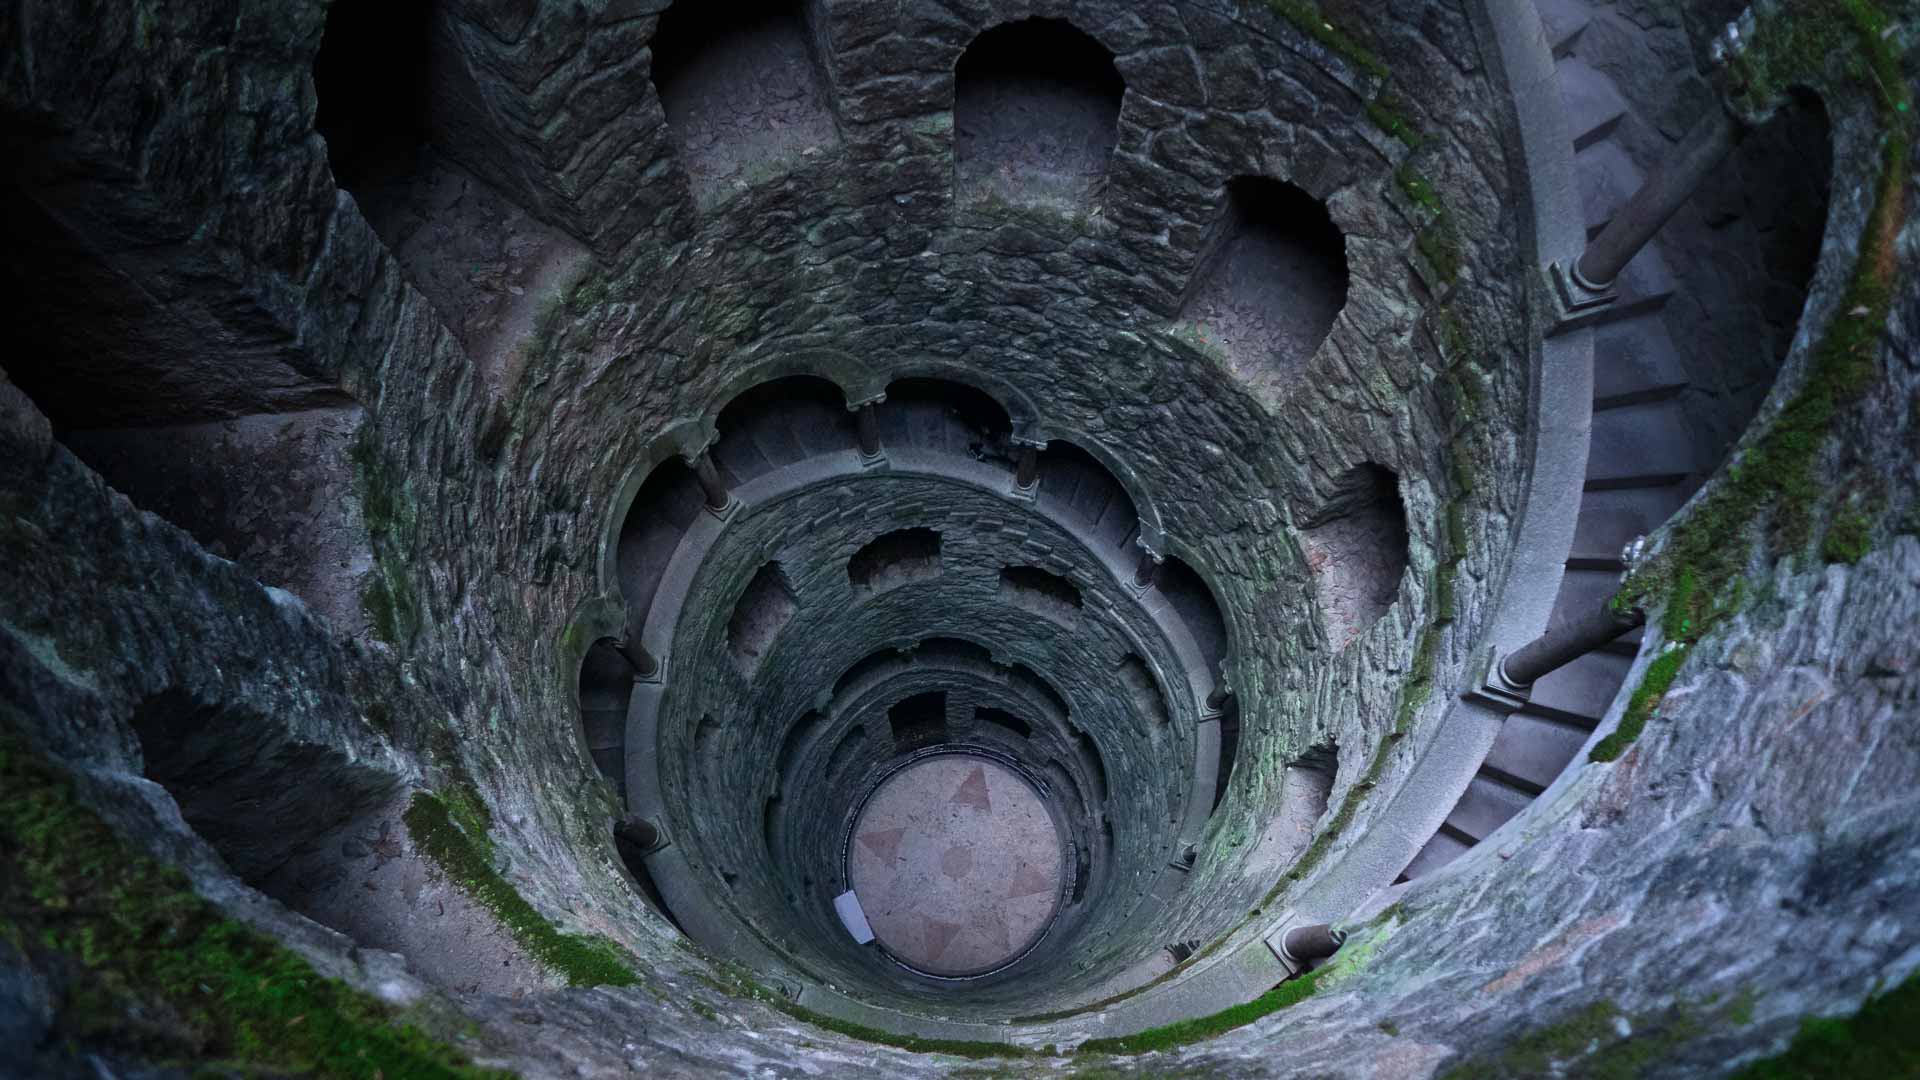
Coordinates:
<point>893,559</point>
<point>1039,592</point>
<point>767,605</point>
<point>919,721</point>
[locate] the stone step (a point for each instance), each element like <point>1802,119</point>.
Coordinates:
<point>1592,105</point>
<point>1117,519</point>
<point>1535,749</point>
<point>773,434</point>
<point>1606,177</point>
<point>739,456</point>
<point>1563,21</point>
<point>1580,692</point>
<point>822,430</point>
<point>1609,520</point>
<point>1439,851</point>
<point>1635,361</point>
<point>1485,806</point>
<point>1647,439</point>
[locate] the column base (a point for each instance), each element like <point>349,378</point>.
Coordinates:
<point>1575,297</point>
<point>725,512</point>
<point>1491,688</point>
<point>872,461</point>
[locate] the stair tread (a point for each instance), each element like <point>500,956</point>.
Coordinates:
<point>1607,177</point>
<point>1647,439</point>
<point>1593,106</point>
<point>1635,356</point>
<point>1438,852</point>
<point>1485,806</point>
<point>1584,688</point>
<point>1563,21</point>
<point>1534,748</point>
<point>1610,520</point>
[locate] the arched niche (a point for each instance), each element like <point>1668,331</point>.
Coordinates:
<point>779,423</point>
<point>1036,111</point>
<point>1271,279</point>
<point>743,90</point>
<point>606,687</point>
<point>945,417</point>
<point>1356,546</point>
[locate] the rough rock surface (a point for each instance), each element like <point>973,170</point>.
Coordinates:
<point>194,261</point>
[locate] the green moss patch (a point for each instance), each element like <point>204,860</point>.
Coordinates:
<point>1849,536</point>
<point>1771,495</point>
<point>1876,1041</point>
<point>1305,15</point>
<point>581,959</point>
<point>1291,992</point>
<point>1587,1044</point>
<point>735,981</point>
<point>145,967</point>
<point>1641,706</point>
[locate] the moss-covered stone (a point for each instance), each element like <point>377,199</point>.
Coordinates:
<point>149,968</point>
<point>580,959</point>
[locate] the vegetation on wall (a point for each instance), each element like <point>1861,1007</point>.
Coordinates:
<point>444,830</point>
<point>1182,1032</point>
<point>1769,497</point>
<point>142,965</point>
<point>1600,1042</point>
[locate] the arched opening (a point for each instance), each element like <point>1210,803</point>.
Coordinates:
<point>1356,546</point>
<point>1271,279</point>
<point>1036,110</point>
<point>742,91</point>
<point>371,80</point>
<point>1075,486</point>
<point>945,417</point>
<point>778,423</point>
<point>667,503</point>
<point>1192,601</point>
<point>606,688</point>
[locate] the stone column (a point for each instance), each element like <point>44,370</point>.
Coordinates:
<point>1147,571</point>
<point>1027,472</point>
<point>1589,281</point>
<point>1566,643</point>
<point>707,475</point>
<point>644,664</point>
<point>642,833</point>
<point>867,420</point>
